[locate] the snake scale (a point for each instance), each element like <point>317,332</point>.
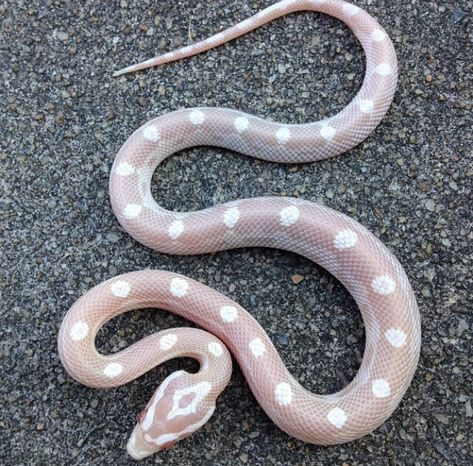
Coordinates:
<point>185,401</point>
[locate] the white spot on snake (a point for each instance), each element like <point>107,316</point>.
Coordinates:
<point>283,135</point>
<point>151,133</point>
<point>337,417</point>
<point>396,337</point>
<point>167,341</point>
<point>79,331</point>
<point>383,285</point>
<point>179,287</point>
<point>381,388</point>
<point>366,105</point>
<point>175,229</point>
<point>228,313</point>
<point>378,35</point>
<point>215,348</point>
<point>197,117</point>
<point>345,239</point>
<point>283,394</point>
<point>289,215</point>
<point>132,210</point>
<point>120,289</point>
<point>350,10</point>
<point>114,369</point>
<point>328,132</point>
<point>257,347</point>
<point>241,124</point>
<point>231,216</point>
<point>384,69</point>
<point>125,169</point>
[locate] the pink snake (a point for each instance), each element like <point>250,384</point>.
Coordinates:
<point>184,401</point>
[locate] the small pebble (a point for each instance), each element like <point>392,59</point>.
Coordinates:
<point>296,279</point>
<point>283,339</point>
<point>62,35</point>
<point>457,16</point>
<point>463,326</point>
<point>113,237</point>
<point>430,205</point>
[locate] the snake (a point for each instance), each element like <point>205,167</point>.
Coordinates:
<point>185,401</point>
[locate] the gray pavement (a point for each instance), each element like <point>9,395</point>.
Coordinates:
<point>62,120</point>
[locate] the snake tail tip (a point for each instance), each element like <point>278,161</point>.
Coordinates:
<point>118,73</point>
<point>123,71</point>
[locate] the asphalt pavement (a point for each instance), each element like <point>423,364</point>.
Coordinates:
<point>63,118</point>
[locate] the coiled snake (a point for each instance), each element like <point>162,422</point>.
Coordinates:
<point>184,402</point>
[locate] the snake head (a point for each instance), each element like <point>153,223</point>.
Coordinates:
<point>182,404</point>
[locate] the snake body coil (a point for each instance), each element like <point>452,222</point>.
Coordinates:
<point>184,402</point>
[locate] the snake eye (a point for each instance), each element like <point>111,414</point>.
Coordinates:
<point>141,416</point>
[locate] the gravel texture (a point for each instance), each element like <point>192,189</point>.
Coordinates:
<point>64,118</point>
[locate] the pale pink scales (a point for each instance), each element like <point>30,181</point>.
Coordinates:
<point>342,246</point>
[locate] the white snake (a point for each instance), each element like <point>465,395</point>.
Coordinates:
<point>184,402</point>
